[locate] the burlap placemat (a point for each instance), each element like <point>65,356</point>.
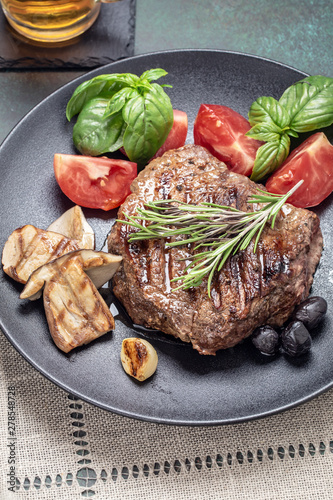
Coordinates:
<point>54,446</point>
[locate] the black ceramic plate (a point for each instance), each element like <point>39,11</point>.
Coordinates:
<point>187,388</point>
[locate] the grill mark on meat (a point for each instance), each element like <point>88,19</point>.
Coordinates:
<point>274,262</point>
<point>251,289</point>
<point>144,266</point>
<point>165,186</point>
<point>133,249</point>
<point>273,266</point>
<point>237,281</point>
<point>284,264</point>
<point>167,270</point>
<point>188,197</point>
<point>249,275</point>
<point>140,256</point>
<point>216,297</point>
<point>231,198</point>
<point>124,231</point>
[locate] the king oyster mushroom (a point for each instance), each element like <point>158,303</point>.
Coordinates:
<point>29,247</point>
<point>74,225</point>
<point>76,312</point>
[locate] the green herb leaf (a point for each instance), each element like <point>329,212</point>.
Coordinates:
<point>319,81</point>
<point>305,106</point>
<point>269,157</point>
<point>137,114</point>
<point>149,119</point>
<point>93,134</point>
<point>118,101</point>
<point>153,74</point>
<point>101,86</point>
<point>270,111</point>
<point>264,132</point>
<point>309,103</point>
<point>292,133</point>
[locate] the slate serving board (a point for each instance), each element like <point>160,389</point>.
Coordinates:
<point>109,39</point>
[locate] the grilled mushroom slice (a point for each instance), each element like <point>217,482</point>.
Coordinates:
<point>74,225</point>
<point>29,247</point>
<point>76,312</point>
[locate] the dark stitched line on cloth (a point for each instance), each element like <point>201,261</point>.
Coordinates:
<point>87,477</point>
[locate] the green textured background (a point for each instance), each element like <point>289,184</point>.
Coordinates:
<point>292,32</point>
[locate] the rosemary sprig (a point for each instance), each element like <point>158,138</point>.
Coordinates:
<point>221,230</point>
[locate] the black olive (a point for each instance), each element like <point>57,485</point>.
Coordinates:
<point>311,312</point>
<point>296,339</point>
<point>266,340</point>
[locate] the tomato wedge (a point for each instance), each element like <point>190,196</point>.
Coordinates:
<point>94,182</point>
<point>177,135</point>
<point>222,131</point>
<point>312,161</point>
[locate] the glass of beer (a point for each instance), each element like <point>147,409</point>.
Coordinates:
<point>51,20</point>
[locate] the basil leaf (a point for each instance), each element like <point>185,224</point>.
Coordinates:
<point>101,86</point>
<point>93,134</point>
<point>269,110</point>
<point>269,157</point>
<point>149,118</point>
<point>295,97</point>
<point>121,109</point>
<point>310,103</point>
<point>318,81</point>
<point>118,101</point>
<point>264,132</point>
<point>292,133</point>
<point>153,74</point>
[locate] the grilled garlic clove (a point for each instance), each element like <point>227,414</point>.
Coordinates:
<point>139,358</point>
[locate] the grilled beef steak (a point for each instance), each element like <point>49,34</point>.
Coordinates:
<point>252,289</point>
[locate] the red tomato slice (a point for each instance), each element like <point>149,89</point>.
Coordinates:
<point>94,182</point>
<point>177,135</point>
<point>222,130</point>
<point>312,161</point>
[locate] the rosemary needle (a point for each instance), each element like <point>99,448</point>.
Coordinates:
<point>217,230</point>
